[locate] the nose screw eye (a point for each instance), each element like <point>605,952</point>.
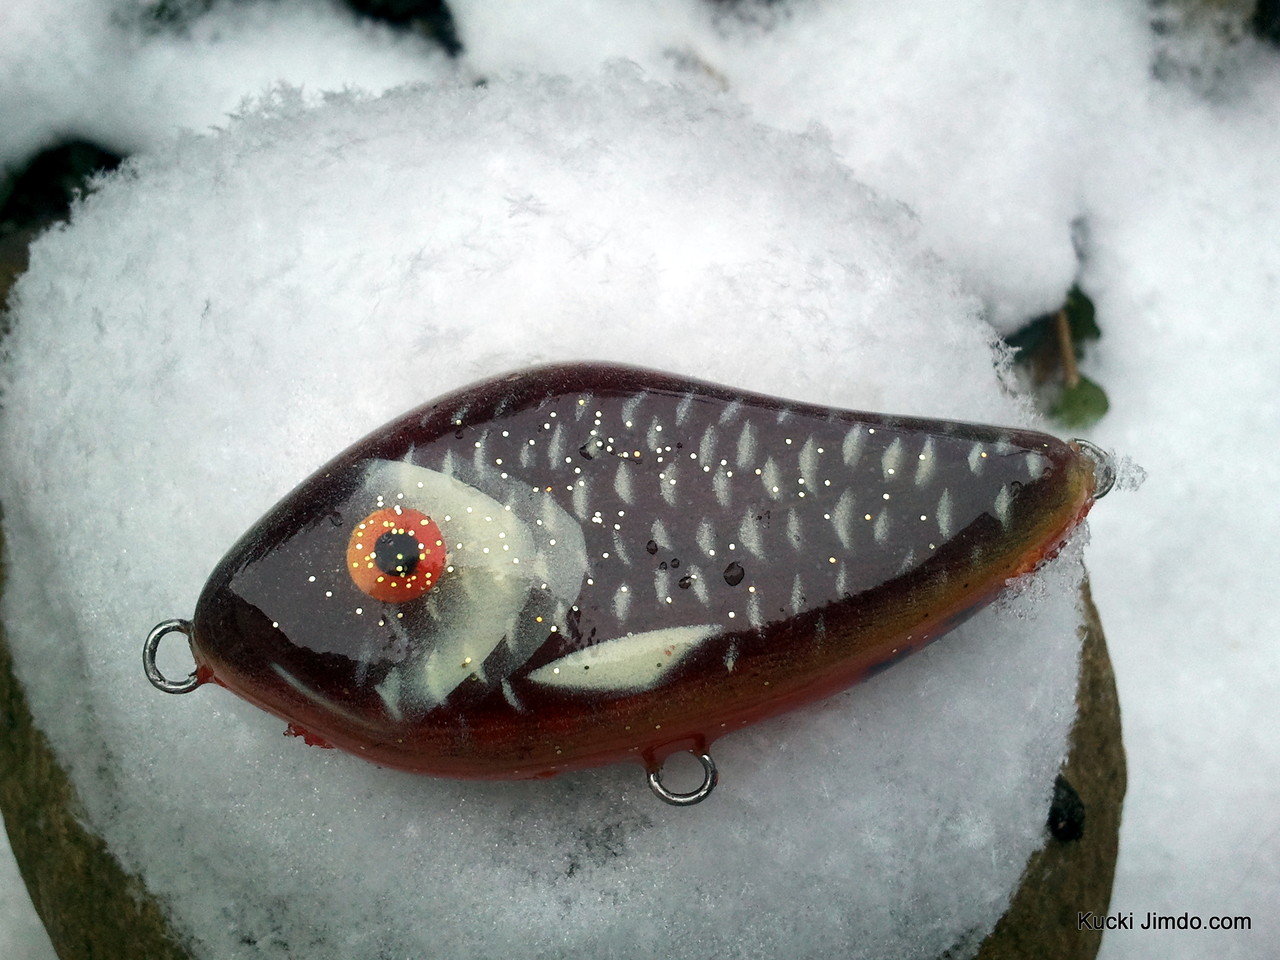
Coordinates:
<point>152,647</point>
<point>1104,467</point>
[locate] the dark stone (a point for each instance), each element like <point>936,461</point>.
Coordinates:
<point>1066,812</point>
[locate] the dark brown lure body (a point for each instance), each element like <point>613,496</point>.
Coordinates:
<point>577,564</point>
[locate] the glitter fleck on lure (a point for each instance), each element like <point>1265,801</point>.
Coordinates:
<point>580,564</point>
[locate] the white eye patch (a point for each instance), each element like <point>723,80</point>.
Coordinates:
<point>498,554</point>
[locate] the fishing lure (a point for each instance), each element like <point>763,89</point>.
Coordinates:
<point>583,563</point>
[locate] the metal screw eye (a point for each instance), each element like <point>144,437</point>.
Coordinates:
<point>152,646</point>
<point>709,780</point>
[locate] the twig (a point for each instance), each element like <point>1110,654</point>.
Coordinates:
<point>1070,372</point>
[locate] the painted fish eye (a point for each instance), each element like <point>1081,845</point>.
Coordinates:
<point>395,554</point>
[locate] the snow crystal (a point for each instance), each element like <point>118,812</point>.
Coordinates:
<point>228,311</point>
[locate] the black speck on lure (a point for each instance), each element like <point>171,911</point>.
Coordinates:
<point>583,563</point>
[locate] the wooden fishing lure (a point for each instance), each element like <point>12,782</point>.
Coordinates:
<point>583,563</point>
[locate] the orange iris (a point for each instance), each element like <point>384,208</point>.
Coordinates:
<point>396,554</point>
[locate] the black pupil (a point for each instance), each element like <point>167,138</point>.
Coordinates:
<point>396,554</point>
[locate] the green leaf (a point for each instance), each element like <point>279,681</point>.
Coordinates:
<point>1081,316</point>
<point>1080,406</point>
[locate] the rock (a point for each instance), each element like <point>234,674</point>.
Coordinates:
<point>93,909</point>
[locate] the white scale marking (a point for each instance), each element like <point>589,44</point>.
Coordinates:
<point>1036,465</point>
<point>908,562</point>
<point>707,445</point>
<point>943,513</point>
<point>581,504</point>
<point>976,458</point>
<point>749,535</point>
<point>668,484</point>
<point>797,594</point>
<point>447,466</point>
<point>621,603</point>
<point>706,538</point>
<point>720,486</point>
<point>511,698</point>
<point>842,580</point>
<point>622,483</point>
<point>632,405</point>
<point>851,449</point>
<point>654,437</point>
<point>731,411</point>
<point>809,462</point>
<point>586,406</point>
<point>925,464</point>
<point>620,549</point>
<point>504,403</point>
<point>481,456</point>
<point>555,448</point>
<point>1003,500</point>
<point>891,460</point>
<point>638,661</point>
<point>552,514</point>
<point>753,610</point>
<point>389,691</point>
<point>881,530</point>
<point>527,451</point>
<point>842,519</point>
<point>660,536</point>
<point>794,533</point>
<point>683,408</point>
<point>661,584</point>
<point>771,478</point>
<point>746,445</point>
<point>699,584</point>
<point>731,657</point>
<point>562,609</point>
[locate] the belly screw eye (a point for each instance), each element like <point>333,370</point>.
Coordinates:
<point>709,780</point>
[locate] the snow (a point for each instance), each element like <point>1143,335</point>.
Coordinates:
<point>1035,147</point>
<point>95,67</point>
<point>21,935</point>
<point>1191,265</point>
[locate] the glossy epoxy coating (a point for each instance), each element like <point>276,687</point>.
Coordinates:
<point>610,563</point>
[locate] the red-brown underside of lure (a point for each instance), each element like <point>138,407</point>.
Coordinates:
<point>716,557</point>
